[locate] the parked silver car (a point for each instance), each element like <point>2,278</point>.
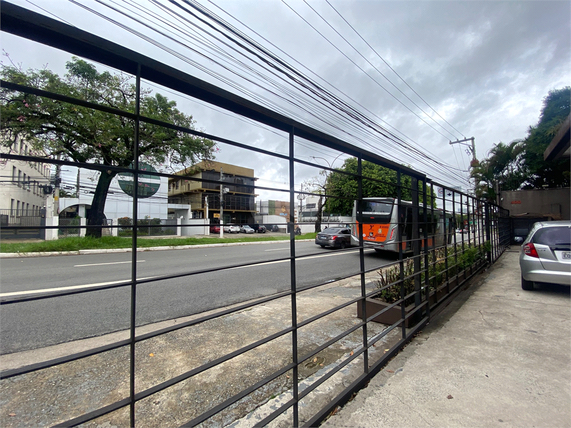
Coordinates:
<point>246,229</point>
<point>545,254</point>
<point>232,228</point>
<point>336,237</point>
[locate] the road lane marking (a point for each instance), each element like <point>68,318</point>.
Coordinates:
<point>300,259</point>
<point>109,263</point>
<point>279,249</point>
<point>87,286</point>
<point>69,288</point>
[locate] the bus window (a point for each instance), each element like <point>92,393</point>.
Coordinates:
<point>380,210</point>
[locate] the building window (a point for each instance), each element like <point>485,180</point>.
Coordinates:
<point>13,175</point>
<point>19,178</point>
<point>17,208</point>
<point>12,203</point>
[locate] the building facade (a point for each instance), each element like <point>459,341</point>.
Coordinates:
<point>24,186</point>
<point>199,189</point>
<point>118,203</point>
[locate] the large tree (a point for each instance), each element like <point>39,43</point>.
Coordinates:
<point>542,173</point>
<point>520,164</point>
<point>378,181</point>
<point>67,131</point>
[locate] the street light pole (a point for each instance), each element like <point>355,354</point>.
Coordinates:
<point>320,203</point>
<point>221,204</point>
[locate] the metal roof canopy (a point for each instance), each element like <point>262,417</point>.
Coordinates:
<point>559,146</point>
<point>33,26</point>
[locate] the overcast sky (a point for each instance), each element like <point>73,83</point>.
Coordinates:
<point>482,69</point>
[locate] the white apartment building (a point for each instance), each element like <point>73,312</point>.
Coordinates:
<point>23,182</point>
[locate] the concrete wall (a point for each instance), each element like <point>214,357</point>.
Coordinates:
<point>554,203</point>
<point>199,227</point>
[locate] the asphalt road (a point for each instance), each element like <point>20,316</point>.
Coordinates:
<point>35,324</point>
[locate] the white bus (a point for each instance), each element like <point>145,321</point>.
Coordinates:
<point>379,219</point>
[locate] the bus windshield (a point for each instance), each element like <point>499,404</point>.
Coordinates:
<point>381,211</point>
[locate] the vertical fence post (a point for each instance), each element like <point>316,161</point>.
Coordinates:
<point>359,215</point>
<point>488,231</point>
<point>401,225</point>
<point>134,250</point>
<point>427,224</point>
<point>455,235</point>
<point>469,220</point>
<point>446,238</point>
<point>295,391</point>
<point>416,240</point>
<point>462,220</point>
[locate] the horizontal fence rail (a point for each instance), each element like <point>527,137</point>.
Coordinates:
<point>382,300</point>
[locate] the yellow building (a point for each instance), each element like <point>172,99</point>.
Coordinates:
<point>199,187</point>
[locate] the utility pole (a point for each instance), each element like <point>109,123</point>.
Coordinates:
<point>472,147</point>
<point>77,185</point>
<point>57,183</point>
<point>221,204</point>
<point>222,191</point>
<point>300,197</point>
<point>206,211</point>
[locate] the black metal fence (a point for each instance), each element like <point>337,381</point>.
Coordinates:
<point>21,225</point>
<point>415,284</point>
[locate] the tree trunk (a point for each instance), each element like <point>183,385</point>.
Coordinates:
<point>95,215</point>
<point>319,215</point>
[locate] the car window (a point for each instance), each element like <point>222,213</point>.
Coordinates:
<point>331,230</point>
<point>553,236</point>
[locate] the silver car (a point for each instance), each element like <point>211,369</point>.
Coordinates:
<point>246,229</point>
<point>232,228</point>
<point>545,254</point>
<point>336,237</point>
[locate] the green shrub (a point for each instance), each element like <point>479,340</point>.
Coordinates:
<point>458,260</point>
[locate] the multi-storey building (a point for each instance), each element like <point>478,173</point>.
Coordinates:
<point>201,191</point>
<point>24,184</point>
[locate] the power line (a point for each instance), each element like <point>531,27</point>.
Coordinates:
<point>392,69</point>
<point>378,71</point>
<point>361,69</point>
<point>274,45</point>
<point>351,113</point>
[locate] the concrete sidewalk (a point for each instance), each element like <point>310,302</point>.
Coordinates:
<point>498,356</point>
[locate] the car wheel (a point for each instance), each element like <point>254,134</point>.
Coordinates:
<point>322,246</point>
<point>526,285</point>
<point>342,245</point>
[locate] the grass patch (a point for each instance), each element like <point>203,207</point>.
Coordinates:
<point>113,242</point>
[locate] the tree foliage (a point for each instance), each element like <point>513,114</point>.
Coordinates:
<point>67,131</point>
<point>378,181</point>
<point>542,173</point>
<point>520,164</point>
<point>504,169</point>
